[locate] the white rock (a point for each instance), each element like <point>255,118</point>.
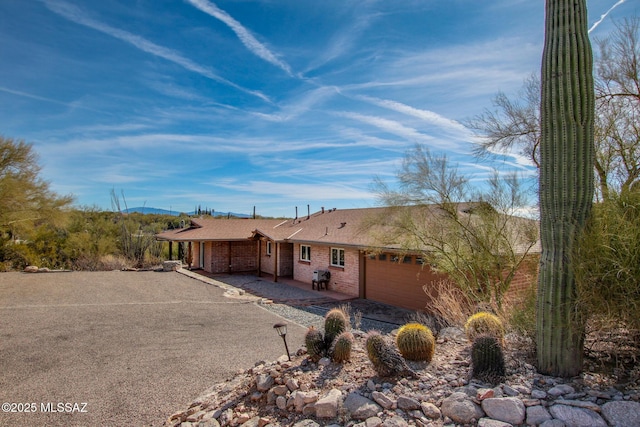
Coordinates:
<point>359,407</point>
<point>577,417</point>
<point>489,422</point>
<point>292,384</point>
<point>536,415</point>
<point>395,421</point>
<point>622,414</point>
<point>561,389</point>
<point>460,408</point>
<point>430,410</point>
<point>327,406</point>
<point>508,409</point>
<point>264,382</point>
<point>382,399</point>
<point>281,402</point>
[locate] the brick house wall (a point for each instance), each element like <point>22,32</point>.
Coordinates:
<point>267,261</point>
<point>232,257</point>
<point>343,279</point>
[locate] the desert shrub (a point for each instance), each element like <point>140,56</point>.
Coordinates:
<point>521,314</point>
<point>607,262</point>
<point>449,304</point>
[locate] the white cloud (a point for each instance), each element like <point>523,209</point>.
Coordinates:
<point>74,14</point>
<point>604,15</point>
<point>243,34</point>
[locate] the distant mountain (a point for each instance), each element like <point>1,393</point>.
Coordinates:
<point>148,210</point>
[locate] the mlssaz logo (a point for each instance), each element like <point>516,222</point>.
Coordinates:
<point>63,407</point>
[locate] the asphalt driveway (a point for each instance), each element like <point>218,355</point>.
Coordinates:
<point>121,348</point>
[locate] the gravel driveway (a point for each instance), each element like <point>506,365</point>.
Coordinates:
<point>133,346</point>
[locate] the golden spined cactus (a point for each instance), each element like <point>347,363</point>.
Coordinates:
<point>484,323</point>
<point>416,342</point>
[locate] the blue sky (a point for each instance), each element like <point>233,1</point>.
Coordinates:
<point>266,103</point>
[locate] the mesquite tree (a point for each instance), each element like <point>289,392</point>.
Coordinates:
<point>566,180</point>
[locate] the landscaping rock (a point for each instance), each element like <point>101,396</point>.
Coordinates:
<point>508,409</point>
<point>264,382</point>
<point>395,421</point>
<point>327,406</point>
<point>382,399</point>
<point>430,410</point>
<point>537,415</point>
<point>359,407</point>
<point>461,409</point>
<point>407,403</point>
<point>489,422</point>
<point>622,414</point>
<point>577,417</point>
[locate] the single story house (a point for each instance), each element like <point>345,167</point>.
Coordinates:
<point>333,239</point>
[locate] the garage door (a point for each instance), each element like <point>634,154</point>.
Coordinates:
<point>397,280</point>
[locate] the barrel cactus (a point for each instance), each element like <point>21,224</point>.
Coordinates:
<point>335,323</point>
<point>315,344</point>
<point>416,342</point>
<point>484,323</point>
<point>386,360</point>
<point>487,359</point>
<point>341,348</point>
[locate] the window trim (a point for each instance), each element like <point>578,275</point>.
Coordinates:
<point>307,253</point>
<point>338,251</point>
<point>268,250</point>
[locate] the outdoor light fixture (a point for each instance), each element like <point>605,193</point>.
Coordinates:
<point>281,328</point>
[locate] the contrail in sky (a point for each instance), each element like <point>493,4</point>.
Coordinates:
<point>604,15</point>
<point>243,34</point>
<point>74,14</point>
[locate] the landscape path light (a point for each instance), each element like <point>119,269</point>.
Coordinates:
<point>281,328</point>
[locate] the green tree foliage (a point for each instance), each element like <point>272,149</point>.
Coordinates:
<point>26,201</point>
<point>480,246</point>
<point>566,181</point>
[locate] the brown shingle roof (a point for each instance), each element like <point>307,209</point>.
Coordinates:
<point>210,229</point>
<point>344,227</point>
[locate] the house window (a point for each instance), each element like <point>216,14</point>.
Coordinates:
<point>305,253</point>
<point>406,260</point>
<point>382,257</point>
<point>337,257</point>
<point>268,247</point>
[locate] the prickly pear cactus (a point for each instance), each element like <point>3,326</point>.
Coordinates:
<point>315,344</point>
<point>416,342</point>
<point>487,359</point>
<point>341,348</point>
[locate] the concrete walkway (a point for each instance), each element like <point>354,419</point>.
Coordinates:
<point>299,294</point>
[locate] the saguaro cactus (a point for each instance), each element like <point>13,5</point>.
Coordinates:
<point>566,180</point>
